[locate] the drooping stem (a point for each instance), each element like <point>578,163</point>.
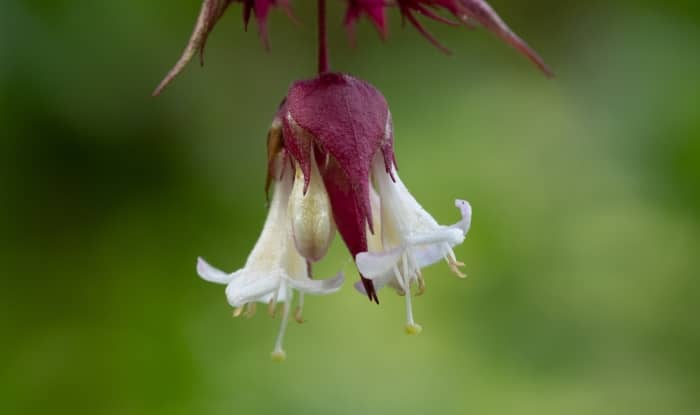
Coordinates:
<point>322,38</point>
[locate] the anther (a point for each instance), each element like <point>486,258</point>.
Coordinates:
<point>250,312</point>
<point>454,264</point>
<point>238,311</point>
<point>413,329</point>
<point>278,356</point>
<point>272,307</point>
<point>297,315</point>
<point>421,285</point>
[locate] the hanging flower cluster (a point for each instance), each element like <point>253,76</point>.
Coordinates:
<point>332,168</point>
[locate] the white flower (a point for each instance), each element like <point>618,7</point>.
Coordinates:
<point>273,270</point>
<point>407,239</point>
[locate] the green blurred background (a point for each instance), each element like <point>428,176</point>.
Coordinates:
<point>583,257</point>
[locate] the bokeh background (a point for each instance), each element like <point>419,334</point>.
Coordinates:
<point>583,257</point>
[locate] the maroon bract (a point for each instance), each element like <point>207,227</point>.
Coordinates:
<point>209,15</point>
<point>465,12</point>
<point>342,122</point>
<point>373,9</point>
<point>482,12</point>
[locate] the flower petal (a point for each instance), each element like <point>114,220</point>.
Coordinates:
<point>426,255</point>
<point>253,286</point>
<point>377,264</point>
<point>310,215</point>
<point>211,274</point>
<point>466,209</point>
<point>317,287</point>
<point>378,283</point>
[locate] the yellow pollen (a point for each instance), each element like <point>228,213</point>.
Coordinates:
<point>251,310</point>
<point>272,308</point>
<point>297,315</point>
<point>454,264</point>
<point>413,329</point>
<point>238,311</point>
<point>421,285</point>
<point>278,356</point>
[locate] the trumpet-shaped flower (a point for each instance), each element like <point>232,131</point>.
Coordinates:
<point>332,163</point>
<point>410,239</point>
<point>274,269</point>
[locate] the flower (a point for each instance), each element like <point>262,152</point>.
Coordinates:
<point>409,239</point>
<point>274,269</point>
<point>332,165</point>
<point>345,123</point>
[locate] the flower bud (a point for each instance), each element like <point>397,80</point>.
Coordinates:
<point>310,214</point>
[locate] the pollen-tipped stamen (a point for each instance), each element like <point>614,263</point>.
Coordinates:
<point>272,307</point>
<point>278,354</point>
<point>454,264</point>
<point>404,281</point>
<point>250,311</point>
<point>238,311</point>
<point>411,328</point>
<point>421,285</point>
<point>299,309</point>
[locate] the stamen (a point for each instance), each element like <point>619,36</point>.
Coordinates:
<point>406,273</point>
<point>454,264</point>
<point>272,306</point>
<point>399,278</point>
<point>411,326</point>
<point>414,264</point>
<point>456,271</point>
<point>251,310</point>
<point>278,354</point>
<point>238,311</point>
<point>300,307</point>
<point>421,285</point>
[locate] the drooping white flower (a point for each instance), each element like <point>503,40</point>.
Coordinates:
<point>410,239</point>
<point>274,269</point>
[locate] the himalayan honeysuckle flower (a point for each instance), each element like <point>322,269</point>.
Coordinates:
<point>338,131</point>
<point>274,269</point>
<point>332,169</point>
<point>331,163</point>
<point>410,239</point>
<point>463,12</point>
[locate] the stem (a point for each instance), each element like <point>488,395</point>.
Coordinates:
<point>322,39</point>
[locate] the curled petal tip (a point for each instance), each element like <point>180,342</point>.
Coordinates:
<point>211,274</point>
<point>464,207</point>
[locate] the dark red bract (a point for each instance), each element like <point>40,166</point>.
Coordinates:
<point>346,123</point>
<point>463,12</point>
<point>373,9</point>
<point>209,15</point>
